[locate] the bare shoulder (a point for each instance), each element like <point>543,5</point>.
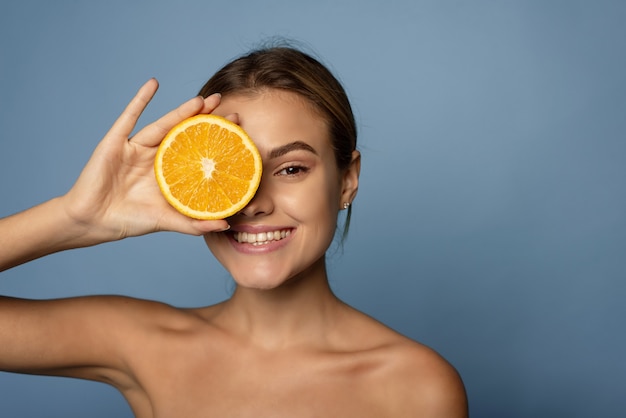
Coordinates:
<point>418,381</point>
<point>425,382</point>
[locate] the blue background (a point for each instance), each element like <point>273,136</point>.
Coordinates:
<point>490,223</point>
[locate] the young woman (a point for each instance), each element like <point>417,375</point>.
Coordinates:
<point>283,345</point>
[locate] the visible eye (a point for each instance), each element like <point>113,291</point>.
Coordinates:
<point>293,171</point>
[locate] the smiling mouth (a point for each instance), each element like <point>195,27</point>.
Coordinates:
<point>261,238</point>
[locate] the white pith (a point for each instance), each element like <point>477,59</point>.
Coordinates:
<point>208,165</point>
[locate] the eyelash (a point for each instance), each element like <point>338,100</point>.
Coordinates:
<point>288,171</point>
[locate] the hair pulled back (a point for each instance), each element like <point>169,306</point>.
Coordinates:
<point>289,69</point>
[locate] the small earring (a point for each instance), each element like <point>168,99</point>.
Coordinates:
<point>346,205</point>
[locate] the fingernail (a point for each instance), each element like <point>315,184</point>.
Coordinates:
<point>223,230</point>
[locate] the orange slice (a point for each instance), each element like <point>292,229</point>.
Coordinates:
<point>207,167</point>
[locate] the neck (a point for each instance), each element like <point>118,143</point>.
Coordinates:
<point>301,310</point>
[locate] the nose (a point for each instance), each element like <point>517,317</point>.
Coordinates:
<point>261,204</point>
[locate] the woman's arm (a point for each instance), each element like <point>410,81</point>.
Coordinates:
<point>94,337</point>
<point>116,195</point>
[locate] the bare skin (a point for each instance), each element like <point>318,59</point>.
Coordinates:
<point>282,346</point>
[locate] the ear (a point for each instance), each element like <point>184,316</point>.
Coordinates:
<point>350,182</point>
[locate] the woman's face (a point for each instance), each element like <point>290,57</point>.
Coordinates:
<point>287,227</point>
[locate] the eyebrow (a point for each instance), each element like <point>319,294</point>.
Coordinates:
<point>292,146</point>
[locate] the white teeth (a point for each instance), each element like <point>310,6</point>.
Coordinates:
<point>262,237</point>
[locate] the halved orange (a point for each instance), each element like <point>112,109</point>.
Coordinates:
<point>207,167</point>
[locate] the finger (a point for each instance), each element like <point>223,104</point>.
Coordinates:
<point>211,102</point>
<point>153,134</point>
<point>190,226</point>
<point>211,226</point>
<point>125,124</point>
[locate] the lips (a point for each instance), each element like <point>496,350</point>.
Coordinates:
<point>261,238</point>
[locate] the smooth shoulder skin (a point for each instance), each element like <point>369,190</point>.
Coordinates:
<point>437,389</point>
<point>411,380</point>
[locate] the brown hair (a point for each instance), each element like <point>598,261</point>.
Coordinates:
<point>286,68</point>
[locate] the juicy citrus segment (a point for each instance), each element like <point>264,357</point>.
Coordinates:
<point>208,167</point>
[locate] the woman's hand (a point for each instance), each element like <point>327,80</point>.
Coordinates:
<point>116,195</point>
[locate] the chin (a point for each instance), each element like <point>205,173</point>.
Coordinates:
<point>260,277</point>
<point>259,284</point>
<point>266,280</point>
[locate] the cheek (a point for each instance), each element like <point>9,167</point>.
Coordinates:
<point>313,201</point>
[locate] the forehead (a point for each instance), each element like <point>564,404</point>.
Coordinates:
<point>275,117</point>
